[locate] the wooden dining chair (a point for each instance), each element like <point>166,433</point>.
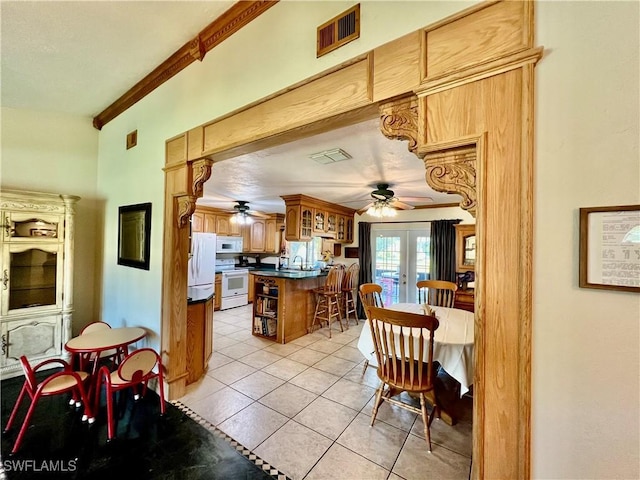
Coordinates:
<point>349,289</point>
<point>328,299</point>
<point>58,383</point>
<point>370,296</point>
<point>86,360</point>
<point>404,350</point>
<point>439,293</point>
<point>135,371</point>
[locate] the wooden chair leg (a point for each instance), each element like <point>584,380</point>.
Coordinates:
<point>377,404</point>
<point>426,420</point>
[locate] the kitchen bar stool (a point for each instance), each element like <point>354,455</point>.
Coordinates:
<point>328,299</point>
<point>349,286</point>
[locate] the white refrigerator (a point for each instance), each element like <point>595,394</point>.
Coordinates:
<point>202,264</point>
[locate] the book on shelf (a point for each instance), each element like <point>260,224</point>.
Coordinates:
<point>272,325</point>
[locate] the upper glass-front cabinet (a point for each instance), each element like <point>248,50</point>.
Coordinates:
<point>18,226</point>
<point>32,277</point>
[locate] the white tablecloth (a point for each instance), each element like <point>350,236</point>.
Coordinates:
<point>453,341</point>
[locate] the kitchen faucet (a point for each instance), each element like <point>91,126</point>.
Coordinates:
<point>293,262</point>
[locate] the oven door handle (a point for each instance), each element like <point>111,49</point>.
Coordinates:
<point>235,274</point>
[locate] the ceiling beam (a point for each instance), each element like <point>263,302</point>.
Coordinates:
<point>236,17</point>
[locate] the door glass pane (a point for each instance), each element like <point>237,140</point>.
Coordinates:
<point>387,267</point>
<point>422,259</point>
<point>32,278</point>
<point>33,227</point>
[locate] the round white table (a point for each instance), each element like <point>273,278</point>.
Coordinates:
<point>107,339</point>
<point>453,341</point>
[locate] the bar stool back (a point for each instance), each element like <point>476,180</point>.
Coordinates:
<point>349,287</point>
<point>328,299</point>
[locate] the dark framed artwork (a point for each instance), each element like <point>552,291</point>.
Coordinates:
<point>610,248</point>
<point>134,235</point>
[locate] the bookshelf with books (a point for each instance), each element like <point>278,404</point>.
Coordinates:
<point>265,309</point>
<point>283,306</point>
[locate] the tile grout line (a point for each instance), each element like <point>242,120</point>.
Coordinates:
<point>318,395</point>
<point>245,452</point>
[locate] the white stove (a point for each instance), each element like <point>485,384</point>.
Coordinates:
<point>235,284</point>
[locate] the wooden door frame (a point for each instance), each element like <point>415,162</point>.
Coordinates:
<point>461,92</point>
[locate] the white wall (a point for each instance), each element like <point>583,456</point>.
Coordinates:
<point>586,343</point>
<point>57,153</point>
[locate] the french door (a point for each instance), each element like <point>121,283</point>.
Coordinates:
<point>400,259</point>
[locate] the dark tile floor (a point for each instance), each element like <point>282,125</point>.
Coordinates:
<point>147,446</point>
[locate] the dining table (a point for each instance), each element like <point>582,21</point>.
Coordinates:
<point>453,342</point>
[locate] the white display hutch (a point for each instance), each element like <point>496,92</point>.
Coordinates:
<point>36,300</point>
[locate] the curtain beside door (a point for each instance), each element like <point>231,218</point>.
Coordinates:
<point>443,250</point>
<point>364,257</point>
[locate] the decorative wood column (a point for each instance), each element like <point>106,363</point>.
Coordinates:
<point>184,180</point>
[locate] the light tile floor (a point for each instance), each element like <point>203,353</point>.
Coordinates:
<point>305,407</point>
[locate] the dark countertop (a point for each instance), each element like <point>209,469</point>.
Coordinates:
<point>196,295</point>
<point>291,274</point>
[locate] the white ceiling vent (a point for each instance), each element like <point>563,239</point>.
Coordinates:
<point>338,31</point>
<point>330,156</point>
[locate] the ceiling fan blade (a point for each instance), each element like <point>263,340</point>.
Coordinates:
<point>364,209</point>
<point>395,203</point>
<point>253,213</point>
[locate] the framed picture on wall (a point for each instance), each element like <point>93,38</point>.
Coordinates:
<point>610,248</point>
<point>134,235</point>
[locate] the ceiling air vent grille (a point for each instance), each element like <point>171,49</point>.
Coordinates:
<point>339,30</point>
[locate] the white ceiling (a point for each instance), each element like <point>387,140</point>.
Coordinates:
<point>79,57</point>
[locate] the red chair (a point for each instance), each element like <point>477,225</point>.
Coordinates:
<point>136,369</point>
<point>61,382</point>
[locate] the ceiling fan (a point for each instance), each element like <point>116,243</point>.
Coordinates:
<point>385,203</point>
<point>243,214</point>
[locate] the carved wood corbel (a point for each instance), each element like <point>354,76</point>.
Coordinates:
<point>399,120</point>
<point>454,171</point>
<point>200,173</point>
<point>450,169</point>
<point>185,205</point>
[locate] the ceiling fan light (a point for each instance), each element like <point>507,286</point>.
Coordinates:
<point>241,218</point>
<point>381,209</point>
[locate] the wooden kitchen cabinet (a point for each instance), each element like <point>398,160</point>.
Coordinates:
<point>332,223</point>
<point>257,238</point>
<point>199,338</point>
<point>217,304</point>
<point>213,220</point>
<point>274,229</point>
<point>270,243</point>
<point>209,223</point>
<point>197,222</point>
<point>251,290</point>
<point>308,216</point>
<point>319,221</point>
<point>235,229</point>
<point>223,225</point>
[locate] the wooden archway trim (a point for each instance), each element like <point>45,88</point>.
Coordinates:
<point>468,85</point>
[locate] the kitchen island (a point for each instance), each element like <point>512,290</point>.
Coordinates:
<point>284,302</point>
